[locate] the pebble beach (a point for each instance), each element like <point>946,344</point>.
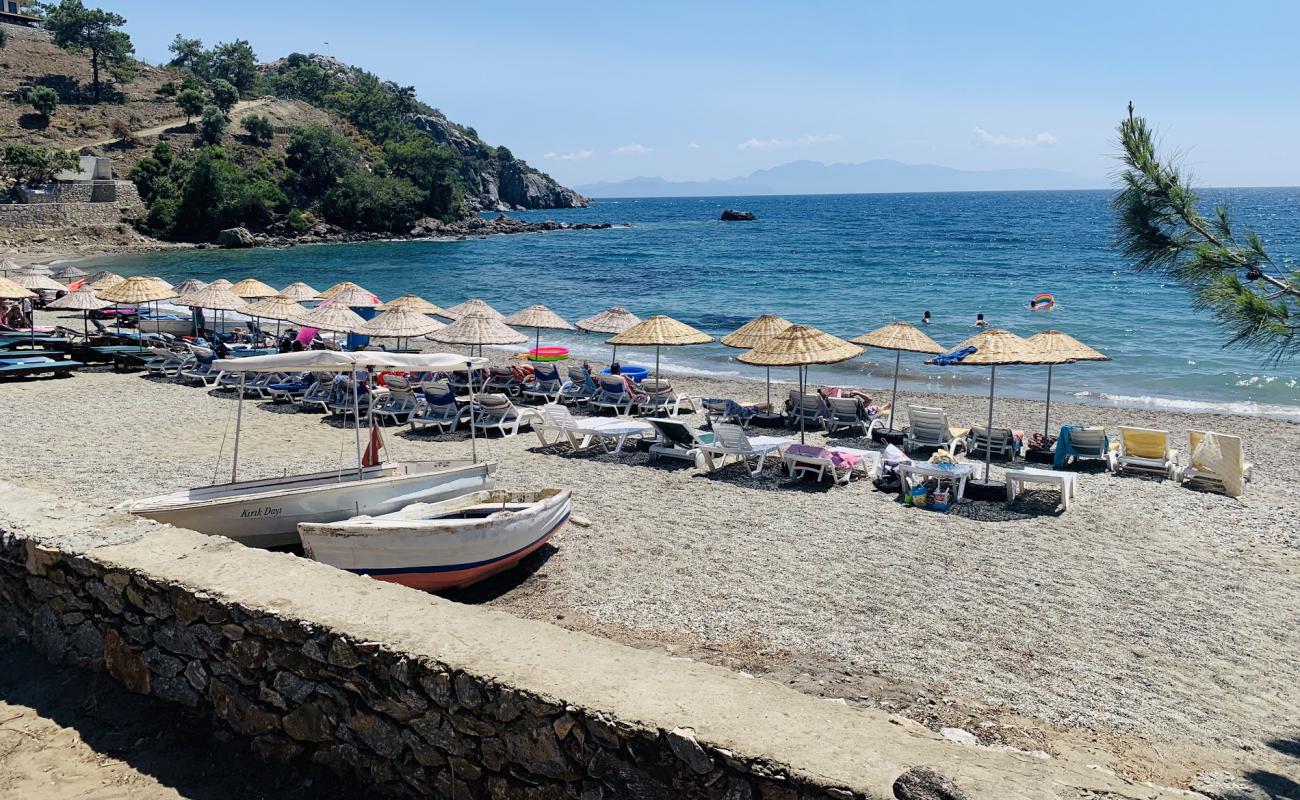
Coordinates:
<point>1152,627</point>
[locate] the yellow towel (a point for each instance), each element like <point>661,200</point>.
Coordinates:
<point>1145,444</point>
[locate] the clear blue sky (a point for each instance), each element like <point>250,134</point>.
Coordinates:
<point>686,90</point>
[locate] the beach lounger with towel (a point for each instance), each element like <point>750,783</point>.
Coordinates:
<point>1146,450</point>
<point>730,441</point>
<point>436,407</point>
<point>724,409</point>
<point>579,388</point>
<point>1217,461</point>
<point>662,398</point>
<point>504,380</point>
<point>841,462</point>
<point>850,412</point>
<point>545,385</point>
<point>809,407</point>
<point>676,440</point>
<point>495,412</point>
<point>615,393</point>
<point>398,403</point>
<point>929,427</point>
<point>1082,444</point>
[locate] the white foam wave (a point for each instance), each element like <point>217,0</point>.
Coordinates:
<point>1247,408</point>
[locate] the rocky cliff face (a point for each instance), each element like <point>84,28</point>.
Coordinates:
<point>496,184</point>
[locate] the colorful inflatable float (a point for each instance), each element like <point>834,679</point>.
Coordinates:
<point>1042,302</point>
<point>547,354</point>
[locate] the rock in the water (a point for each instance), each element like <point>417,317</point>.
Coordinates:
<point>926,783</point>
<point>236,238</point>
<point>731,215</point>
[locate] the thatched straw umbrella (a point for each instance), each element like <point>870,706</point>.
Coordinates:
<point>340,288</point>
<point>478,330</point>
<point>800,346</point>
<point>1052,348</point>
<point>612,320</point>
<point>8,266</point>
<point>331,315</point>
<point>104,279</point>
<point>993,348</point>
<point>189,286</point>
<point>67,272</point>
<point>12,291</point>
<point>538,317</point>
<point>278,308</point>
<point>356,298</point>
<point>660,331</point>
<point>137,291</point>
<point>35,281</point>
<point>83,300</point>
<point>412,302</point>
<point>216,296</point>
<point>471,306</point>
<point>299,291</point>
<point>253,289</point>
<point>38,269</point>
<point>901,337</point>
<point>754,333</point>
<point>162,282</point>
<point>400,323</point>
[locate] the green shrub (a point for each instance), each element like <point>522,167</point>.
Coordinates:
<point>373,203</point>
<point>259,128</point>
<point>29,165</point>
<point>299,222</point>
<point>190,102</point>
<point>224,95</point>
<point>45,100</point>
<point>212,125</point>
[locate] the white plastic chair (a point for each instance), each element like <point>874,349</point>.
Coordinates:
<point>730,440</point>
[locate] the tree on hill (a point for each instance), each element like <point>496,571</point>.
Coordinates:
<point>45,100</point>
<point>430,168</point>
<point>233,62</point>
<point>224,94</point>
<point>1228,271</point>
<point>320,158</point>
<point>28,165</point>
<point>212,125</point>
<point>78,29</point>
<point>191,102</point>
<point>259,128</point>
<point>189,55</point>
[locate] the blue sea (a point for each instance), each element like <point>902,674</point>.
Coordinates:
<point>847,264</point>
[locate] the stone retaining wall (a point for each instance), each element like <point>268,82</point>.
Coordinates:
<point>409,694</point>
<point>67,215</point>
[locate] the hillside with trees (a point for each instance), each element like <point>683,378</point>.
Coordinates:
<point>214,139</point>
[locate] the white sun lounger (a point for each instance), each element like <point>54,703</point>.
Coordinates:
<point>730,441</point>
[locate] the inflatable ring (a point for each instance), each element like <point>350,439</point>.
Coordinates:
<point>1043,302</point>
<point>548,354</point>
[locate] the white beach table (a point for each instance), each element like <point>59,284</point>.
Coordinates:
<point>1066,482</point>
<point>956,473</point>
<point>616,434</point>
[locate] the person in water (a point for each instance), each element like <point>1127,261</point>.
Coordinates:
<point>980,322</point>
<point>925,318</point>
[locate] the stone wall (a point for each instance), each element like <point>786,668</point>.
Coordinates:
<point>408,694</point>
<point>112,202</point>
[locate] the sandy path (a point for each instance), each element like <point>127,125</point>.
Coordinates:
<point>175,122</point>
<point>1152,627</point>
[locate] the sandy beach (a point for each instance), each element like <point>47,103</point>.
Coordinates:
<point>1151,629</point>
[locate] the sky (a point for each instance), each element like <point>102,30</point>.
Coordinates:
<point>592,91</point>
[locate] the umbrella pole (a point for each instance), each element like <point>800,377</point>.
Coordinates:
<point>239,417</point>
<point>473,441</point>
<point>893,401</point>
<point>988,450</point>
<point>1047,415</point>
<point>356,418</point>
<point>656,363</point>
<point>769,389</point>
<point>803,384</point>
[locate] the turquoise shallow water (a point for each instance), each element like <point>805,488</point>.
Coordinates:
<point>847,264</point>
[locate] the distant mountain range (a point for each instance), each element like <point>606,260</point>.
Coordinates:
<point>881,175</point>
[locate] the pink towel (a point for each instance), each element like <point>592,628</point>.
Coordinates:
<point>307,335</point>
<point>844,460</point>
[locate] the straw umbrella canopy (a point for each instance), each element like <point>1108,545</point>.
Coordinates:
<point>34,281</point>
<point>659,331</point>
<point>612,320</point>
<point>1052,348</point>
<point>103,280</point>
<point>412,302</point>
<point>38,269</point>
<point>901,337</point>
<point>800,346</point>
<point>993,348</point>
<point>252,289</point>
<point>68,272</point>
<point>356,297</point>
<point>137,291</point>
<point>278,308</point>
<point>7,266</point>
<point>299,291</point>
<point>477,330</point>
<point>331,315</point>
<point>9,290</point>
<point>339,288</point>
<point>189,286</point>
<point>538,317</point>
<point>83,300</point>
<point>216,296</point>
<point>161,282</point>
<point>402,322</point>
<point>754,333</point>
<point>471,306</point>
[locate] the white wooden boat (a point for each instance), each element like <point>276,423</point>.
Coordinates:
<point>266,513</point>
<point>446,545</point>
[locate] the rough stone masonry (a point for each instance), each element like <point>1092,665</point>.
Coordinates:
<point>407,694</point>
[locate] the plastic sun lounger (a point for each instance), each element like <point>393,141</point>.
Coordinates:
<point>582,434</point>
<point>677,440</point>
<point>1222,466</point>
<point>803,460</point>
<point>730,440</point>
<point>1146,449</point>
<point>929,427</point>
<point>27,367</point>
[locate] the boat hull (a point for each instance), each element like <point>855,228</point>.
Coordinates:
<point>267,513</point>
<point>438,554</point>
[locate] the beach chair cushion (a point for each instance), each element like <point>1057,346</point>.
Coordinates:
<point>1142,443</point>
